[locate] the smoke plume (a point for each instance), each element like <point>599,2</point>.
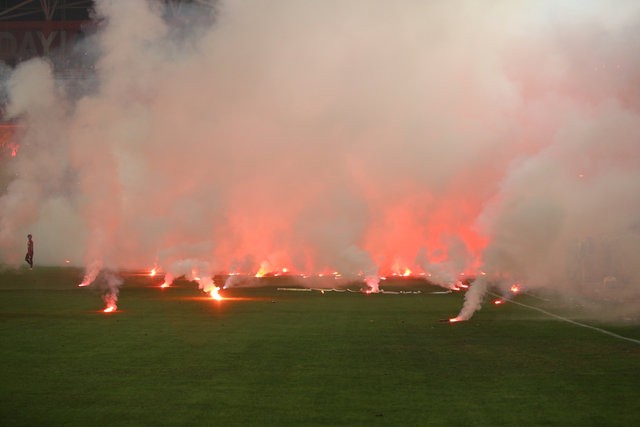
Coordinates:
<point>364,137</point>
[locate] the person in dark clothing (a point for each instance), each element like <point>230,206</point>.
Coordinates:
<point>29,256</point>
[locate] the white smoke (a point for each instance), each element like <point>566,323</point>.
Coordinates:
<point>352,136</point>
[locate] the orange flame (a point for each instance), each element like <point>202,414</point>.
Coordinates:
<point>515,288</point>
<point>455,319</point>
<point>153,272</point>
<point>498,302</point>
<point>407,272</point>
<point>215,294</point>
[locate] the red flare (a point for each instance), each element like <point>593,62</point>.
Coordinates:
<point>110,309</point>
<point>215,294</point>
<point>498,302</point>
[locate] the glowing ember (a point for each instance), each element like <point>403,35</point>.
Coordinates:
<point>515,288</point>
<point>215,294</point>
<point>407,272</point>
<point>455,319</point>
<point>498,302</point>
<point>152,272</point>
<point>285,270</point>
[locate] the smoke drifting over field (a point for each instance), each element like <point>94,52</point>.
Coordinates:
<point>371,137</point>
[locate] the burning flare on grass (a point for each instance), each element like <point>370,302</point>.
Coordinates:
<point>264,269</point>
<point>110,308</point>
<point>473,299</point>
<point>215,293</point>
<point>373,284</point>
<point>14,149</point>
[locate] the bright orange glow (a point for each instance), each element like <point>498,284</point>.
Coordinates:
<point>455,319</point>
<point>110,309</point>
<point>215,294</point>
<point>152,272</point>
<point>285,270</point>
<point>407,272</point>
<point>83,284</point>
<point>164,285</point>
<point>498,302</point>
<point>515,288</point>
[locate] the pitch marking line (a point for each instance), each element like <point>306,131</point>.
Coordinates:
<point>604,331</point>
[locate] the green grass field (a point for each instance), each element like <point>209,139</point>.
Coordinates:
<point>269,357</point>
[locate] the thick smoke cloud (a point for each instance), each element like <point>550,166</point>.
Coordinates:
<point>365,137</point>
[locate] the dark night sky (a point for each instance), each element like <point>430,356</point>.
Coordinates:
<point>68,10</point>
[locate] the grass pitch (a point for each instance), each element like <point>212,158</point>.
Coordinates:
<point>268,357</point>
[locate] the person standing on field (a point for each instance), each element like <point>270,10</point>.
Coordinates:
<point>29,256</point>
